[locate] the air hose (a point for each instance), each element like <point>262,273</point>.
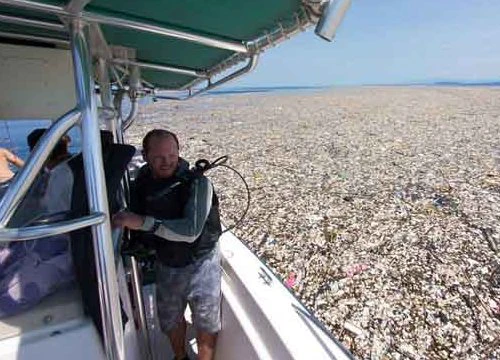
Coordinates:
<point>202,166</point>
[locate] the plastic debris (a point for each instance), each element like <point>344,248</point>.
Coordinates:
<point>291,280</point>
<point>404,179</point>
<point>355,269</point>
<point>353,329</point>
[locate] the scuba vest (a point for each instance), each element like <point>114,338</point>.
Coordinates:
<point>165,199</point>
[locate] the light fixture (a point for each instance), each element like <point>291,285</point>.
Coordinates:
<point>331,17</point>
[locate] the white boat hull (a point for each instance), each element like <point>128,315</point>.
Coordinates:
<point>261,319</point>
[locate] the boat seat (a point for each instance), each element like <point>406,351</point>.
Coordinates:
<point>115,160</point>
<point>62,306</point>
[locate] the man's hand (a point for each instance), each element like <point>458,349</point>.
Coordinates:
<point>128,220</point>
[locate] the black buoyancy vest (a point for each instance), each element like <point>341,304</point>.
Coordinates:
<point>171,206</point>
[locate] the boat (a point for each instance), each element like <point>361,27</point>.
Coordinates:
<point>87,64</point>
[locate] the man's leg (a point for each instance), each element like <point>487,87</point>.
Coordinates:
<point>177,337</point>
<point>204,299</point>
<point>206,345</point>
<point>171,286</point>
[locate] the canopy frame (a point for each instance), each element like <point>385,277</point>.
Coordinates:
<point>243,51</point>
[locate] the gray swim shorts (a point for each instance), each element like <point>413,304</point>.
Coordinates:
<point>199,285</point>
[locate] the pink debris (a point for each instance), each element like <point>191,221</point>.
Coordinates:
<point>355,269</point>
<point>291,280</point>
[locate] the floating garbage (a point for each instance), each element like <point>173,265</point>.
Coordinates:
<point>378,207</point>
<point>355,269</point>
<point>291,280</point>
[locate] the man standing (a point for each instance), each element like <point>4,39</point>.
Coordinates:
<point>178,213</point>
<point>6,158</point>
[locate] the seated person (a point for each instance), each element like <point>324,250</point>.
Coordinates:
<point>60,152</point>
<point>52,189</point>
<point>60,181</point>
<point>31,270</point>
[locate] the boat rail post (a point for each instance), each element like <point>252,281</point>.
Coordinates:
<point>135,87</point>
<point>136,283</point>
<point>115,125</point>
<point>106,97</point>
<point>96,193</point>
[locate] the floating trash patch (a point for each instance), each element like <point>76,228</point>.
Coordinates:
<point>378,207</point>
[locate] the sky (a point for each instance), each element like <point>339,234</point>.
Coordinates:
<point>390,42</point>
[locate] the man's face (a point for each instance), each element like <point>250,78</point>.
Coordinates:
<point>162,156</point>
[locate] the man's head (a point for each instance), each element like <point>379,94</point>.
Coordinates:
<point>160,149</point>
<point>60,152</point>
<point>34,136</point>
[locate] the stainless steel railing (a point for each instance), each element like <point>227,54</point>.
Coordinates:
<point>22,182</point>
<point>98,219</point>
<point>41,231</point>
<point>96,192</point>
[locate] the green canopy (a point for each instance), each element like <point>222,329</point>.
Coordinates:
<point>237,22</point>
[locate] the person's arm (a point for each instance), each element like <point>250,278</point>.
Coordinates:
<point>13,159</point>
<point>189,227</point>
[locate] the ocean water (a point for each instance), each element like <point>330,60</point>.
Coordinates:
<point>265,89</point>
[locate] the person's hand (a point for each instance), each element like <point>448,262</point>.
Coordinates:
<point>128,220</point>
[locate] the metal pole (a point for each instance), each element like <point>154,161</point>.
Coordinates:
<point>119,131</point>
<point>126,72</point>
<point>134,82</point>
<point>37,6</point>
<point>104,85</point>
<point>125,123</point>
<point>137,293</point>
<point>160,67</point>
<point>22,182</point>
<point>45,39</point>
<point>135,25</point>
<point>252,63</point>
<point>32,23</point>
<point>160,30</point>
<point>126,179</point>
<point>105,90</point>
<point>97,196</point>
<point>41,231</point>
<point>134,110</point>
<point>76,6</point>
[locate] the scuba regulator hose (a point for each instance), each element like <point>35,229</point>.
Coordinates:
<point>201,166</point>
